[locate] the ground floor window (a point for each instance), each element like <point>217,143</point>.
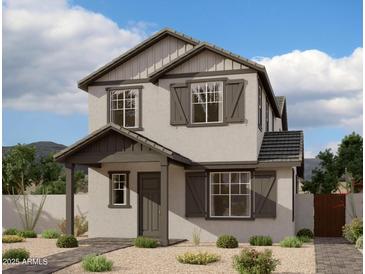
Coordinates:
<point>119,189</point>
<point>230,194</point>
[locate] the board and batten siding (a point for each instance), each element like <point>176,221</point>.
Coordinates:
<point>207,61</point>
<point>148,61</point>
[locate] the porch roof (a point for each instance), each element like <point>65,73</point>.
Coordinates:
<point>123,132</point>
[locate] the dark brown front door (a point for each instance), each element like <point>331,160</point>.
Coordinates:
<point>149,204</point>
<point>329,214</point>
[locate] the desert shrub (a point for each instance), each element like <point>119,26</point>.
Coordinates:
<point>304,239</point>
<point>12,239</point>
<point>359,243</point>
<point>94,263</point>
<point>352,231</point>
<point>10,231</point>
<point>80,225</point>
<point>202,258</point>
<point>291,242</point>
<point>144,242</point>
<point>27,234</point>
<point>227,241</point>
<point>50,234</point>
<point>305,232</point>
<point>260,240</point>
<point>18,254</point>
<point>250,261</point>
<point>67,241</point>
<point>196,237</point>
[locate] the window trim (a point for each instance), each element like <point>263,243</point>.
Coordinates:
<point>251,195</point>
<point>127,190</point>
<point>267,114</point>
<point>206,104</point>
<point>109,90</point>
<point>259,106</point>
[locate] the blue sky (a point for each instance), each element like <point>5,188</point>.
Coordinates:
<point>41,101</point>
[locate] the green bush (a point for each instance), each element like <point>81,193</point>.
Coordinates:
<point>305,232</point>
<point>67,241</point>
<point>202,258</point>
<point>359,243</point>
<point>94,263</point>
<point>291,242</point>
<point>260,240</point>
<point>352,231</point>
<point>27,234</point>
<point>304,239</point>
<point>250,261</point>
<point>18,254</point>
<point>50,234</point>
<point>12,239</point>
<point>227,241</point>
<point>144,242</point>
<point>10,231</point>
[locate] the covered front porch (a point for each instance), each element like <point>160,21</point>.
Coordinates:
<point>138,166</point>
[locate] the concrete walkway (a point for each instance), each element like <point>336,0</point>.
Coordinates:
<point>337,255</point>
<point>72,256</point>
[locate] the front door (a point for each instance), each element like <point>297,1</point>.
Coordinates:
<point>149,204</point>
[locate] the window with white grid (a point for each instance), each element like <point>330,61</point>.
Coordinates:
<point>119,188</point>
<point>124,106</point>
<point>230,194</point>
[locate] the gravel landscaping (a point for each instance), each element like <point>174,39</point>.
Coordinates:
<point>38,248</point>
<point>163,260</point>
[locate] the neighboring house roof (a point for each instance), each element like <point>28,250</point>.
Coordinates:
<point>281,146</point>
<point>83,83</point>
<point>198,47</point>
<point>63,154</point>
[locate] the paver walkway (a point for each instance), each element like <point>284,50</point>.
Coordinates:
<point>69,257</point>
<point>337,255</point>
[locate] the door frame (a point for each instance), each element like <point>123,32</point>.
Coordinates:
<point>139,215</point>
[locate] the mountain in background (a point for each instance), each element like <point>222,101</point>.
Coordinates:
<point>309,165</point>
<point>45,148</point>
<point>42,148</point>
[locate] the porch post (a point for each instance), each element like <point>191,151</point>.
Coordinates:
<point>164,215</point>
<point>69,198</point>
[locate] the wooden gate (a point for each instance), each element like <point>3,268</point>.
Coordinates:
<point>329,214</point>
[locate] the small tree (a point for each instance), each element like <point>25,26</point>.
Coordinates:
<point>28,212</point>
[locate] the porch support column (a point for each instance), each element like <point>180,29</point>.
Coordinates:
<point>164,215</point>
<point>69,168</point>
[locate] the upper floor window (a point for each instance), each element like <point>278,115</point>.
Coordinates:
<point>207,102</point>
<point>260,107</point>
<point>267,119</point>
<point>124,107</point>
<point>230,194</point>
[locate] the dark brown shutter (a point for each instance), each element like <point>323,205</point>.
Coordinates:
<point>179,104</point>
<point>195,196</point>
<point>265,187</point>
<point>234,101</point>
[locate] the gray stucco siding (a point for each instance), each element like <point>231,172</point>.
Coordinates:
<point>201,144</point>
<point>122,222</point>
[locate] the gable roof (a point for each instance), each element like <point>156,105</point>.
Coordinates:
<point>63,154</point>
<point>282,146</point>
<point>206,46</point>
<point>83,83</point>
<point>198,46</point>
<point>280,101</point>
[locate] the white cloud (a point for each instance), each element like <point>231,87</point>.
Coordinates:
<point>321,90</point>
<point>50,45</point>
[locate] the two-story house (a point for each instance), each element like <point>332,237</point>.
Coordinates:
<point>185,136</point>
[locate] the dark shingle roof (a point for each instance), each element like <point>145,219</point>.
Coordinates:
<point>280,102</point>
<point>282,146</point>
